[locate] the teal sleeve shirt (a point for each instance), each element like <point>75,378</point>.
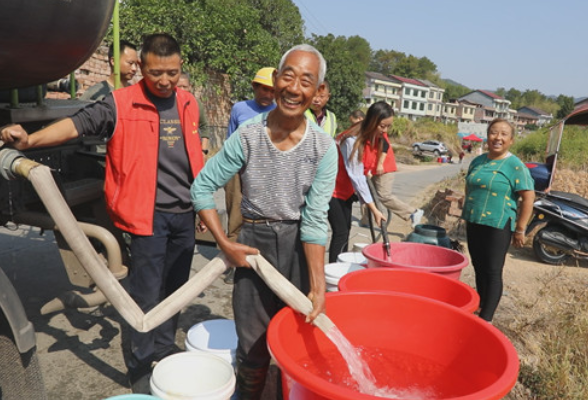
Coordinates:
<point>491,190</point>
<point>230,160</point>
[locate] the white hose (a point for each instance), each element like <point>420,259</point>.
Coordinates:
<point>42,180</point>
<point>286,291</point>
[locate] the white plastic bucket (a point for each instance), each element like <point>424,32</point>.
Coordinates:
<point>335,271</point>
<point>215,336</point>
<point>352,257</point>
<point>193,376</point>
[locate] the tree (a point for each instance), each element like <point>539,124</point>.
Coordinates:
<point>282,19</point>
<point>454,91</point>
<point>362,50</point>
<point>236,43</point>
<point>390,62</point>
<point>345,72</point>
<point>566,106</point>
<point>386,61</point>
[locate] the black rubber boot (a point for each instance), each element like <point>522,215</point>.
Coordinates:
<point>250,382</point>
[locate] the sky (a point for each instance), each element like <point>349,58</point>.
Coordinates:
<point>521,44</point>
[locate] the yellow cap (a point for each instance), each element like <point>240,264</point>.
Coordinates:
<point>264,76</point>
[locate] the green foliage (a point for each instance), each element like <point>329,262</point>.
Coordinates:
<point>251,36</point>
<point>566,104</point>
<point>282,19</point>
<point>345,72</point>
<point>454,91</point>
<point>400,127</point>
<point>390,62</point>
<point>572,154</point>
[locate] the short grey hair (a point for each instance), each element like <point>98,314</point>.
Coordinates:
<point>309,49</point>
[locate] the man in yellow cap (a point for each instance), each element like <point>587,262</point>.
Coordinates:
<point>263,101</point>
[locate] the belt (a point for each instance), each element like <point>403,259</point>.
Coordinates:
<point>265,220</point>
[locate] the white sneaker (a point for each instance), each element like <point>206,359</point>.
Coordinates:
<point>416,217</point>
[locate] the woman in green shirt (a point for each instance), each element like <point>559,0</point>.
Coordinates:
<point>494,183</point>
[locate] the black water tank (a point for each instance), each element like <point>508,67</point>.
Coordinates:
<point>44,40</point>
<point>429,234</point>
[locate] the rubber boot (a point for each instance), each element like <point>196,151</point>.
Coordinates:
<point>250,382</point>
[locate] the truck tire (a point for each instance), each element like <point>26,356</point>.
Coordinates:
<point>20,374</point>
<point>548,254</point>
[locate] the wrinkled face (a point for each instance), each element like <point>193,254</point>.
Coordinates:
<point>320,100</point>
<point>161,74</point>
<point>500,138</point>
<point>184,83</point>
<point>264,95</point>
<point>128,64</point>
<point>384,126</point>
<point>297,83</point>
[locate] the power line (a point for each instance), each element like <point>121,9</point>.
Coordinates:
<point>318,26</point>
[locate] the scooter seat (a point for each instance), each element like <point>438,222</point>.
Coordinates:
<point>577,200</point>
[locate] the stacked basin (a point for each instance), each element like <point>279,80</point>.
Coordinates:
<point>412,344</point>
<point>414,282</point>
<point>417,256</point>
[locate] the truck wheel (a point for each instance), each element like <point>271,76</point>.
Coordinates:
<point>549,254</point>
<point>416,149</point>
<point>20,374</point>
<point>437,153</point>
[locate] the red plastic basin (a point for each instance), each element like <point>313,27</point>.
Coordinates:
<point>433,286</point>
<point>419,256</point>
<point>424,345</point>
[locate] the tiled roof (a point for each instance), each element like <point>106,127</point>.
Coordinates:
<point>408,80</point>
<point>536,110</point>
<point>491,94</point>
<point>378,76</point>
<point>429,83</point>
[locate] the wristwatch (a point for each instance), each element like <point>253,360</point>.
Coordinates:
<point>205,151</point>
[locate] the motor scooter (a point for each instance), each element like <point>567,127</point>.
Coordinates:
<point>563,218</point>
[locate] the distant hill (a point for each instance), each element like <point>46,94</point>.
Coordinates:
<point>452,82</point>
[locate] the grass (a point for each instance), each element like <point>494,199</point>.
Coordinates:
<point>559,369</point>
<point>574,145</point>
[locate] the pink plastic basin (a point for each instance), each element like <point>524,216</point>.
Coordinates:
<point>424,345</point>
<point>432,286</point>
<point>418,256</point>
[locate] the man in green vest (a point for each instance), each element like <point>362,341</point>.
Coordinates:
<point>320,115</point>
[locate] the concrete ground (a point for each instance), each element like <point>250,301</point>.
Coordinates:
<point>81,352</point>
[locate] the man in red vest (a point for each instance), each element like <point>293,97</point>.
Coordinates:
<point>153,155</point>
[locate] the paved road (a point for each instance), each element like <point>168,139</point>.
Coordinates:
<point>81,352</point>
<point>408,182</point>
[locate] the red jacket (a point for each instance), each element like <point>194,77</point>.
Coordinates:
<point>132,156</point>
<point>343,186</point>
<point>370,158</point>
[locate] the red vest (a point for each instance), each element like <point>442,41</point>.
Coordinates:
<point>343,186</point>
<point>133,152</point>
<point>370,158</point>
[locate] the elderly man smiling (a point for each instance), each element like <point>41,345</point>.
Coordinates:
<point>287,166</point>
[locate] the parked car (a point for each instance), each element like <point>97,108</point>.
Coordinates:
<point>433,146</point>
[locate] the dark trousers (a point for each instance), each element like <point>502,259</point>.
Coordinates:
<point>488,247</point>
<point>340,221</point>
<point>254,303</point>
<point>160,264</point>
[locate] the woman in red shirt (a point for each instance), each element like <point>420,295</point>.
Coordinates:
<point>350,184</point>
<point>373,145</point>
